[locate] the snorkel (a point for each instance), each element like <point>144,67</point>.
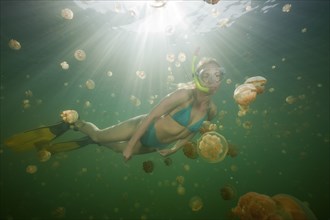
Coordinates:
<point>194,74</point>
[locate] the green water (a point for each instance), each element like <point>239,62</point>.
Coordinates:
<point>285,151</point>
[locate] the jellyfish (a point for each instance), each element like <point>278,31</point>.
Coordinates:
<point>207,126</point>
<point>258,81</point>
<point>182,57</point>
<point>135,100</point>
<point>80,55</point>
<point>228,192</point>
<point>232,150</point>
<point>141,74</point>
<point>170,57</point>
<point>90,84</point>
<point>148,166</point>
<point>158,3</point>
<point>196,203</point>
<point>212,147</point>
<point>245,94</point>
<point>257,206</point>
<point>190,150</point>
<point>31,169</point>
<point>168,161</point>
<point>44,155</point>
<point>181,190</point>
<point>67,13</point>
<point>180,180</point>
<point>59,212</point>
<point>14,44</point>
<point>212,2</point>
<point>64,65</point>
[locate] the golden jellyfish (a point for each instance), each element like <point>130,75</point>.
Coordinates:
<point>141,74</point>
<point>207,126</point>
<point>257,206</point>
<point>135,100</point>
<point>90,84</point>
<point>290,99</point>
<point>228,192</point>
<point>190,150</point>
<point>31,169</point>
<point>212,2</point>
<point>64,65</point>
<point>148,166</point>
<point>80,55</point>
<point>258,81</point>
<point>245,94</point>
<point>196,203</point>
<point>14,44</point>
<point>170,57</point>
<point>181,190</point>
<point>182,57</point>
<point>168,161</point>
<point>59,212</point>
<point>180,180</point>
<point>67,13</point>
<point>232,150</point>
<point>158,3</point>
<point>212,147</point>
<point>44,155</point>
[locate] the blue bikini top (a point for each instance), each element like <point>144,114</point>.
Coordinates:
<point>183,118</point>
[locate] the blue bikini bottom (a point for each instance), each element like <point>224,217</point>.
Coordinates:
<point>149,138</point>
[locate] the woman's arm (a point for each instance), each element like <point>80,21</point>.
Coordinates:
<point>178,145</point>
<point>169,103</point>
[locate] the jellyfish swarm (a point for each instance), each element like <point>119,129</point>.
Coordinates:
<point>257,206</point>
<point>228,192</point>
<point>190,150</point>
<point>212,147</point>
<point>148,166</point>
<point>258,81</point>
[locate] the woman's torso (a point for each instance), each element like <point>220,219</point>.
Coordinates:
<point>183,120</point>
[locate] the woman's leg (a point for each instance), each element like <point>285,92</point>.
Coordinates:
<point>116,133</point>
<point>120,146</point>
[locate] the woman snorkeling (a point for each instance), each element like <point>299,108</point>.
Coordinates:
<point>176,119</point>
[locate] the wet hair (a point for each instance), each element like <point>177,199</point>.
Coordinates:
<point>204,61</point>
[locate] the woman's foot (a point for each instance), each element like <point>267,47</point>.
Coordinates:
<point>69,116</point>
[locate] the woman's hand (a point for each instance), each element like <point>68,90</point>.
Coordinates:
<point>165,152</point>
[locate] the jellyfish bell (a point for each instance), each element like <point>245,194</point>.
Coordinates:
<point>158,3</point>
<point>14,44</point>
<point>257,206</point>
<point>212,2</point>
<point>148,166</point>
<point>168,161</point>
<point>80,55</point>
<point>296,208</point>
<point>228,192</point>
<point>67,13</point>
<point>44,155</point>
<point>245,94</point>
<point>258,81</point>
<point>196,203</point>
<point>190,150</point>
<point>212,147</point>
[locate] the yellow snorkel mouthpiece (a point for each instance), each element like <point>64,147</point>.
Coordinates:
<point>195,77</point>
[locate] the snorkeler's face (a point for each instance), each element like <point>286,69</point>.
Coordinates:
<point>210,76</point>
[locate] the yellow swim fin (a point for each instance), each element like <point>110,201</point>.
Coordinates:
<point>68,145</point>
<point>31,139</point>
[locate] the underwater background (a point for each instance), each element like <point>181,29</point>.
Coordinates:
<point>283,141</point>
